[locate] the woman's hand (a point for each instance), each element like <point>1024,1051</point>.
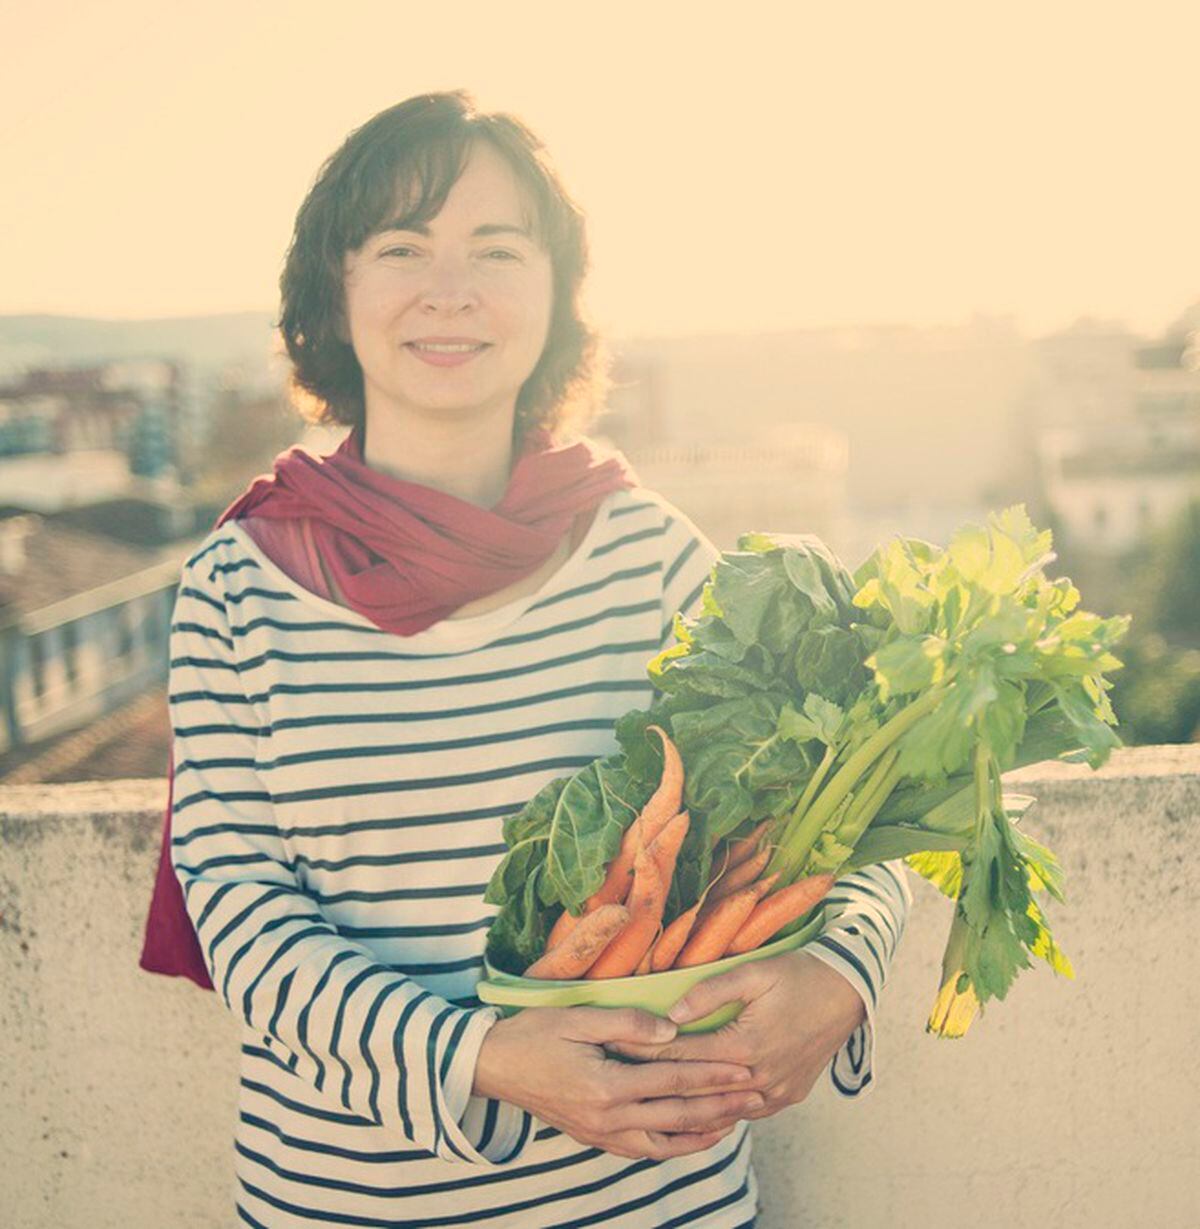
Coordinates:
<point>552,1062</point>
<point>798,1013</point>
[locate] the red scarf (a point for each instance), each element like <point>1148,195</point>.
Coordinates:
<point>405,556</point>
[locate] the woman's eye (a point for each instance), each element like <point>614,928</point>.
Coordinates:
<point>400,251</point>
<point>504,253</point>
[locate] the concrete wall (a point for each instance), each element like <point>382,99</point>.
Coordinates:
<point>1070,1105</point>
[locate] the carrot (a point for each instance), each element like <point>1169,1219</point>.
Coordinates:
<point>739,851</point>
<point>741,875</point>
<point>644,965</point>
<point>673,939</point>
<point>671,942</point>
<point>714,933</point>
<point>647,900</point>
<point>664,849</point>
<point>662,807</point>
<point>566,923</point>
<point>574,956</point>
<point>775,911</point>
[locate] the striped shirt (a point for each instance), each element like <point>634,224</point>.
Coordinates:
<point>339,799</point>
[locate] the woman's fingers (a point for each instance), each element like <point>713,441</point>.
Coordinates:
<point>689,1115</point>
<point>641,1081</point>
<point>661,1147</point>
<point>721,1046</point>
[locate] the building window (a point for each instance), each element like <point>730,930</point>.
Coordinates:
<point>124,632</point>
<point>70,642</point>
<point>37,663</point>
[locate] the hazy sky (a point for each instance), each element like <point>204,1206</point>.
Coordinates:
<point>743,165</point>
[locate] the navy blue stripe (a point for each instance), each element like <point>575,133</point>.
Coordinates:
<point>188,591</point>
<point>225,540</point>
<point>858,934</point>
<point>886,940</point>
<point>594,586</point>
<point>236,921</point>
<point>195,731</point>
<point>684,555</point>
<point>236,599</point>
<point>849,1090</point>
<point>396,749</point>
<point>346,1120</point>
<point>555,765</point>
<point>414,932</point>
<point>594,688</point>
<point>399,859</point>
<point>223,569</point>
<point>402,1063</point>
<point>302,1020</point>
<point>637,1205</point>
<point>249,1220</point>
<point>491,1115</point>
<point>851,959</point>
<point>338,1020</point>
<point>452,1045</point>
<point>639,535</point>
<point>272,925</point>
<point>281,997</point>
<point>364,1047</point>
<point>200,630</point>
<point>278,954</point>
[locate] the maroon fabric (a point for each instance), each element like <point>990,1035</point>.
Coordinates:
<point>405,556</point>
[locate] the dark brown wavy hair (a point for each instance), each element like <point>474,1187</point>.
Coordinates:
<point>421,147</point>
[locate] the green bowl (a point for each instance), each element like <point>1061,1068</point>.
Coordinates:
<point>653,992</point>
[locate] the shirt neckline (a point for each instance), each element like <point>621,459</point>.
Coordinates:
<point>470,630</point>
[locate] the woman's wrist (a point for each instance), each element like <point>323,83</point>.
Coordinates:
<point>489,1063</point>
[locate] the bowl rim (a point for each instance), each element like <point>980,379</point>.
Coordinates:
<point>517,981</point>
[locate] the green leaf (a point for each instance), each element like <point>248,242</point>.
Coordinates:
<point>585,833</point>
<point>909,664</point>
<point>943,869</point>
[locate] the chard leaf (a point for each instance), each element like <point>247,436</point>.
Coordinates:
<point>517,936</point>
<point>585,833</point>
<point>829,661</point>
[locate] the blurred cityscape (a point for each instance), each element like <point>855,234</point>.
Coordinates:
<point>120,443</point>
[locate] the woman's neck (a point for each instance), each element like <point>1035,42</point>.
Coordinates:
<point>471,461</point>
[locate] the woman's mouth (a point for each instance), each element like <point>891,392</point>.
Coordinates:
<point>446,354</point>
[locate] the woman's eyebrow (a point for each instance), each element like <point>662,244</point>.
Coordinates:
<point>488,228</point>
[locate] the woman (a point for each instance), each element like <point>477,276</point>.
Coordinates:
<point>376,657</point>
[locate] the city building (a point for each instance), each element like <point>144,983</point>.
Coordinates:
<point>1117,439</point>
<point>84,625</point>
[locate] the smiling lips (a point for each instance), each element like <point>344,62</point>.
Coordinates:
<point>446,351</point>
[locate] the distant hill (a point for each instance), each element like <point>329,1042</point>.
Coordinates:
<point>201,341</point>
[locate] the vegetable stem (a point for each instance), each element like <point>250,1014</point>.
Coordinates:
<point>804,827</point>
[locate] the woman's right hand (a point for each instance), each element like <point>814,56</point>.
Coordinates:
<point>551,1061</point>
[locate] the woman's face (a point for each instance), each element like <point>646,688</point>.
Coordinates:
<point>449,321</point>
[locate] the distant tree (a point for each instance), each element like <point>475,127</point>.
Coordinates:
<point>1157,694</point>
<point>1170,580</point>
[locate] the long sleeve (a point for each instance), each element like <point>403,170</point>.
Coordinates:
<point>355,1029</point>
<point>867,910</point>
<point>865,916</point>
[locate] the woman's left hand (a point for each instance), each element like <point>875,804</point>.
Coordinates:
<point>798,1013</point>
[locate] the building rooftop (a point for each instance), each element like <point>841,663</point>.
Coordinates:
<point>43,563</point>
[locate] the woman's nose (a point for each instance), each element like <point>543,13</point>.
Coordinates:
<point>449,287</point>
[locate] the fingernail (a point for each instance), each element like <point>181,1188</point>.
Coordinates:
<point>680,1013</point>
<point>664,1030</point>
<point>755,1101</point>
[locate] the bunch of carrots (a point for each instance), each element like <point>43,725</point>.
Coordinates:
<point>620,932</point>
